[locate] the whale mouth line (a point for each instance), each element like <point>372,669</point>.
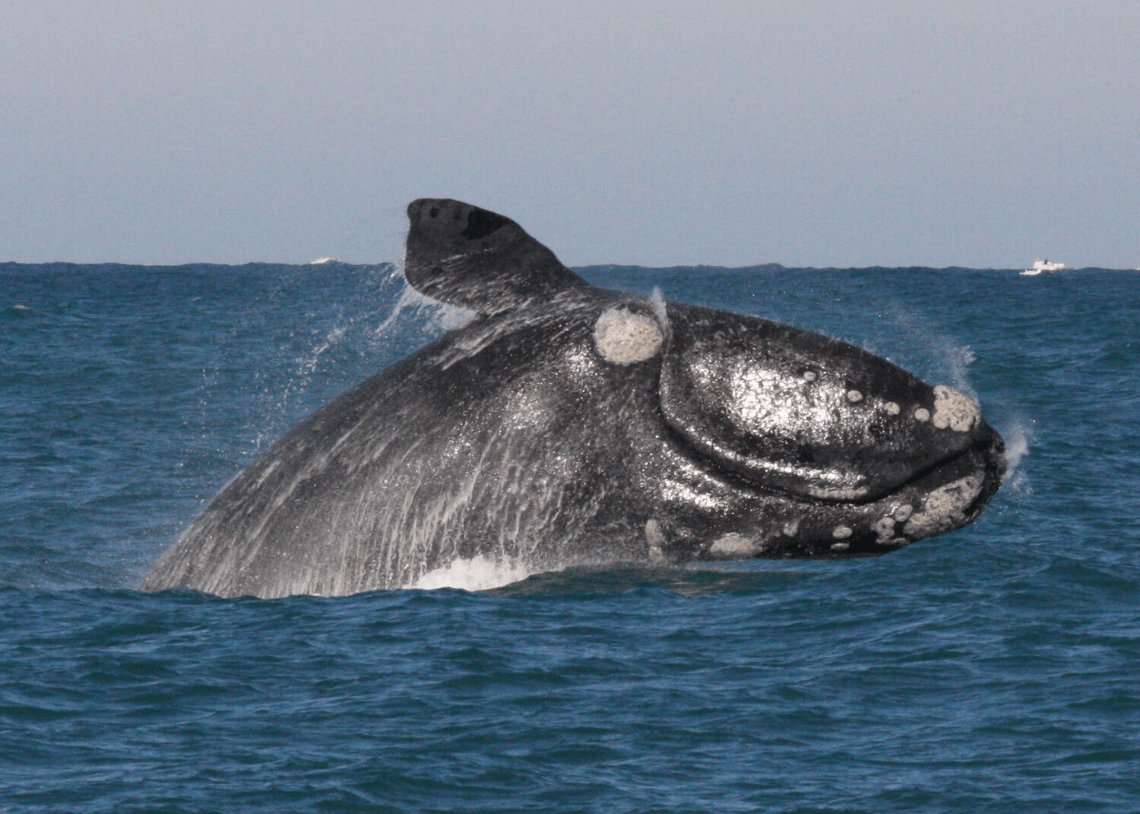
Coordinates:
<point>984,450</point>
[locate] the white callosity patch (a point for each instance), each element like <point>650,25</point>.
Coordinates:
<point>884,528</point>
<point>624,337</point>
<point>734,546</point>
<point>944,508</point>
<point>654,541</point>
<point>954,410</point>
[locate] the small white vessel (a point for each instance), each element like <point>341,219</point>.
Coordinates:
<point>1040,266</point>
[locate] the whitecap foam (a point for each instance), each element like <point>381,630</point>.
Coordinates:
<point>476,574</point>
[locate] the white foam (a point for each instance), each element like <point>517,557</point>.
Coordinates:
<point>441,316</point>
<point>323,261</point>
<point>946,358</point>
<point>309,365</point>
<point>1017,441</point>
<point>476,574</point>
<point>1017,445</point>
<point>960,358</point>
<point>657,301</point>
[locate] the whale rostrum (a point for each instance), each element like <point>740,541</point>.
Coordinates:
<point>572,425</point>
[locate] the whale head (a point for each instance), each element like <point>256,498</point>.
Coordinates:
<point>739,437</point>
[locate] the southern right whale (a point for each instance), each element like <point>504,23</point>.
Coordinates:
<point>568,424</point>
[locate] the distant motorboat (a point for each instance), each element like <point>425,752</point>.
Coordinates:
<point>1040,266</point>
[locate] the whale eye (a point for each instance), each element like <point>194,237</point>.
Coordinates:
<point>624,337</point>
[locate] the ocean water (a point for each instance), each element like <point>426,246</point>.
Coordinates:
<point>995,669</point>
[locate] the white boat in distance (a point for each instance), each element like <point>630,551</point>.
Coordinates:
<point>1040,266</point>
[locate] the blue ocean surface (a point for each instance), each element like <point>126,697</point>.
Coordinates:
<point>994,669</point>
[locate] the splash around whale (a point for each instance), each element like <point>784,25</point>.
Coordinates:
<point>572,425</point>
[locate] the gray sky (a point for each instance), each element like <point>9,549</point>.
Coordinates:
<point>658,133</point>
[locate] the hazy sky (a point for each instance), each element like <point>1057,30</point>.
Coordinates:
<point>657,133</point>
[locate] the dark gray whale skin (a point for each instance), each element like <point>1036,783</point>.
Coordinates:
<point>571,425</point>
